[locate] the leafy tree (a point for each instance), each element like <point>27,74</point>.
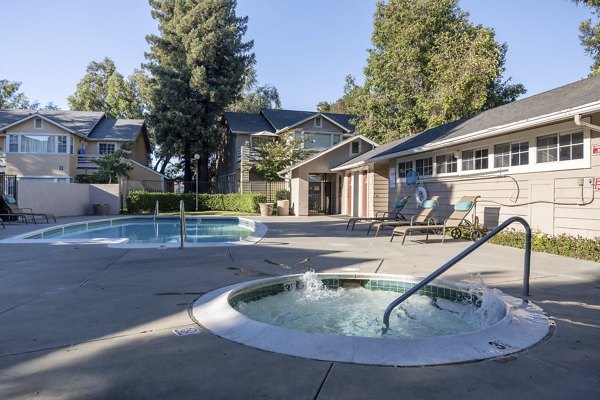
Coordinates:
<point>428,65</point>
<point>10,97</point>
<point>277,154</point>
<point>112,166</point>
<point>102,88</point>
<point>255,97</point>
<point>198,64</point>
<point>589,35</point>
<point>348,103</point>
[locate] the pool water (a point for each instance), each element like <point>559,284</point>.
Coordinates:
<point>313,308</point>
<point>152,231</point>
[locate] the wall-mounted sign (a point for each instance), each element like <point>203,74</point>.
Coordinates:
<point>596,149</point>
<point>597,185</point>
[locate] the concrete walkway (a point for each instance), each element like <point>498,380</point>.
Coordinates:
<point>90,322</point>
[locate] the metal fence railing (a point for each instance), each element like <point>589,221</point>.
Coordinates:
<point>269,189</point>
<point>8,185</point>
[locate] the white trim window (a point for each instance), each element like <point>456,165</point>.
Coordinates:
<point>446,164</point>
<point>475,159</point>
<point>355,147</point>
<point>424,166</point>
<point>511,154</point>
<point>38,123</point>
<point>336,139</point>
<point>404,166</point>
<point>318,122</point>
<point>560,147</point>
<point>48,144</point>
<point>104,148</point>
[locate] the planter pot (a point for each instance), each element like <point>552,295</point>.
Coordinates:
<point>266,209</point>
<point>283,208</point>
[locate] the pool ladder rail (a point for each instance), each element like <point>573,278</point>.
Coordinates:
<point>463,254</point>
<point>182,227</point>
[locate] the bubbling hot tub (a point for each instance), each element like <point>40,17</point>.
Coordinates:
<point>338,317</point>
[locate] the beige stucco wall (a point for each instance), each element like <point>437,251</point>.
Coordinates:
<point>139,173</point>
<point>321,165</point>
<point>549,199</point>
<point>32,164</point>
<point>140,150</point>
<point>66,199</point>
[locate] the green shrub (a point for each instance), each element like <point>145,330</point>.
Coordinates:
<point>563,245</point>
<point>141,201</point>
<point>282,194</point>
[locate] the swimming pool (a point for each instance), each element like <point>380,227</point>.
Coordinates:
<point>151,231</point>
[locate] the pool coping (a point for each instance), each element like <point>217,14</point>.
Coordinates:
<point>259,232</point>
<point>523,326</point>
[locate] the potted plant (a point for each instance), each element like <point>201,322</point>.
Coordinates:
<point>283,202</point>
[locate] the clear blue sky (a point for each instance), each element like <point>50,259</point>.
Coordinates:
<point>305,48</point>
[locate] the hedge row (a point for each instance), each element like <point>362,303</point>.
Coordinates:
<point>563,245</point>
<point>138,202</point>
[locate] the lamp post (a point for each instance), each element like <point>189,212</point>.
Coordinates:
<point>197,158</point>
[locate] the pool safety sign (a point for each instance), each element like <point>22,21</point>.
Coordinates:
<point>596,149</point>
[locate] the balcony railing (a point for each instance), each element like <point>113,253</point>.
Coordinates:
<point>87,161</point>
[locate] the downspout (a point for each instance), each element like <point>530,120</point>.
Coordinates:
<point>579,122</point>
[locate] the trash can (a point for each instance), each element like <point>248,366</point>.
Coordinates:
<point>104,209</point>
<point>96,208</point>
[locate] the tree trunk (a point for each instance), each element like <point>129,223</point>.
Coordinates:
<point>187,170</point>
<point>204,167</point>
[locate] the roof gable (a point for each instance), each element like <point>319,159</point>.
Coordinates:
<point>77,122</point>
<point>282,119</point>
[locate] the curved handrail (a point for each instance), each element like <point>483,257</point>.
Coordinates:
<point>182,227</point>
<point>463,254</point>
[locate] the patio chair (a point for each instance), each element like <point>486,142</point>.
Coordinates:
<point>394,215</point>
<point>10,211</point>
<point>423,217</point>
<point>454,222</point>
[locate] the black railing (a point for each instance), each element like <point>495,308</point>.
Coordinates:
<point>463,254</point>
<point>8,185</point>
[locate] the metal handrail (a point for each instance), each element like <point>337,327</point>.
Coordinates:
<point>182,227</point>
<point>463,254</point>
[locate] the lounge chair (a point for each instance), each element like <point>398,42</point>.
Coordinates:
<point>423,217</point>
<point>10,211</point>
<point>394,215</point>
<point>454,222</point>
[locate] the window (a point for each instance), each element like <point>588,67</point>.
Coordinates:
<point>37,123</point>
<point>106,148</point>
<point>337,139</point>
<point>317,140</point>
<point>424,166</point>
<point>318,122</point>
<point>547,148</point>
<point>568,146</point>
<point>475,159</point>
<point>355,148</point>
<point>446,164</point>
<point>403,167</point>
<point>13,143</point>
<point>519,153</point>
<point>511,154</point>
<point>50,144</point>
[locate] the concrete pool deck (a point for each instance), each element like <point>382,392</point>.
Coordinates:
<point>91,322</point>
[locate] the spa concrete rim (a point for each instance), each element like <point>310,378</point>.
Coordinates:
<point>523,326</point>
<point>260,230</point>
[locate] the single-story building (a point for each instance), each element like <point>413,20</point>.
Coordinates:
<point>538,158</point>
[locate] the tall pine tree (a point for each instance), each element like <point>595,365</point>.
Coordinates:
<point>197,65</point>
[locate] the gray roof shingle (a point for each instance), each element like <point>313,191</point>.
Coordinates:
<point>117,129</point>
<point>556,100</point>
<point>247,123</point>
<point>272,120</point>
<point>91,124</point>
